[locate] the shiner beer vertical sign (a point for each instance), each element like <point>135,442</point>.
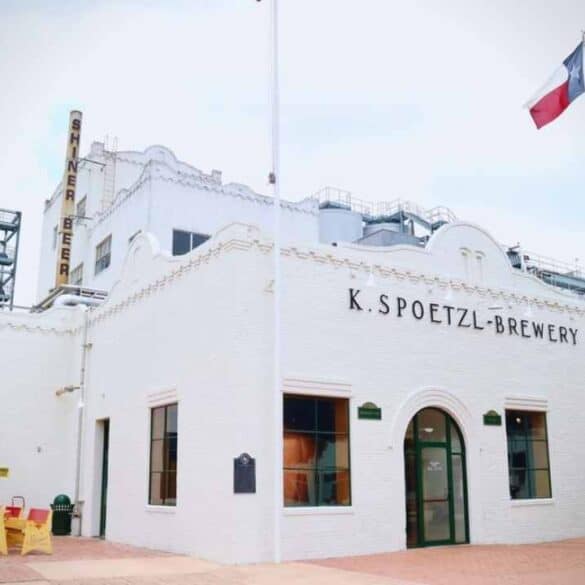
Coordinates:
<point>68,201</point>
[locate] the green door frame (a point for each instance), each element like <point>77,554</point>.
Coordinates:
<point>418,447</point>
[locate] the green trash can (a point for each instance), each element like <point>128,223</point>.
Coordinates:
<point>62,511</point>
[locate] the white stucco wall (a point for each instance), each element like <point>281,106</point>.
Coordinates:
<point>197,329</point>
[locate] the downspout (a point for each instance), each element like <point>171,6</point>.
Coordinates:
<point>80,416</point>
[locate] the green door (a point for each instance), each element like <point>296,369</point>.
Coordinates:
<point>104,490</point>
<point>436,490</point>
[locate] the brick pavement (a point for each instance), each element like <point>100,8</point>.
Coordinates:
<point>93,562</point>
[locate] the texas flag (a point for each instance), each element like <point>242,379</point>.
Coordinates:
<point>562,89</point>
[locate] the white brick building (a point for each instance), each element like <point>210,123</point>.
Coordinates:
<point>178,375</point>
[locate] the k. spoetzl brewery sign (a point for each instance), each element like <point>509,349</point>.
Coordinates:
<point>65,234</point>
<point>461,318</point>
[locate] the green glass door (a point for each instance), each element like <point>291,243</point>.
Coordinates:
<point>104,486</point>
<point>436,500</point>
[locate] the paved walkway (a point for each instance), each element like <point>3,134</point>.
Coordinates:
<point>82,561</point>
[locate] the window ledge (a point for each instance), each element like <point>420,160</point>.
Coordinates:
<point>161,509</point>
<point>318,510</point>
<point>532,502</point>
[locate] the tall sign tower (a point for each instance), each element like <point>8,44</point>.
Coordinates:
<point>65,235</point>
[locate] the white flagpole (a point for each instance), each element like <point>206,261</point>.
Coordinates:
<point>274,179</point>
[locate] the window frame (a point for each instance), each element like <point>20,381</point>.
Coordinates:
<point>316,469</point>
<point>81,206</point>
<point>192,235</point>
<point>525,438</point>
<point>165,471</point>
<point>103,261</point>
<point>80,268</point>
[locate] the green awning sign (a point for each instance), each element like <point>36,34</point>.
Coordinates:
<point>369,411</point>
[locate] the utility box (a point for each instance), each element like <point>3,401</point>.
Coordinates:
<point>62,511</point>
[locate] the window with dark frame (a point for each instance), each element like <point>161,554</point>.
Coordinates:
<point>76,276</point>
<point>528,458</point>
<point>81,209</point>
<point>316,451</point>
<point>103,254</point>
<point>163,456</point>
<point>184,242</point>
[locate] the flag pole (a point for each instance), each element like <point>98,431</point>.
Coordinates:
<point>274,179</point>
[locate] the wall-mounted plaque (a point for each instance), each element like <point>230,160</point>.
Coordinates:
<point>492,418</point>
<point>244,474</point>
<point>369,411</point>
<point>4,472</point>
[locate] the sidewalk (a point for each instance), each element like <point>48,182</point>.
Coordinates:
<point>82,561</point>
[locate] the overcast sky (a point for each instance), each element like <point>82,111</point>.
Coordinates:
<point>413,99</point>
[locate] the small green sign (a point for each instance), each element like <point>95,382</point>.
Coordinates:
<point>492,418</point>
<point>369,411</point>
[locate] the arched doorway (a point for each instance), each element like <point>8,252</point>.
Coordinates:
<point>436,484</point>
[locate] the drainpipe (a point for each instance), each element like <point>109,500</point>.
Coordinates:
<point>80,415</point>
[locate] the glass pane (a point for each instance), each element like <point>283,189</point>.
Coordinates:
<point>515,423</point>
<point>436,521</point>
<point>171,493</point>
<point>458,498</point>
<point>518,455</point>
<point>156,489</point>
<point>157,455</point>
<point>431,425</point>
<point>334,488</point>
<point>299,488</point>
<point>181,242</point>
<point>299,414</point>
<point>171,419</point>
<point>171,463</point>
<point>332,415</point>
<point>541,483</point>
<point>434,473</point>
<point>539,454</point>
<point>536,425</point>
<point>299,450</point>
<point>411,503</point>
<point>332,451</point>
<point>198,239</point>
<point>158,423</point>
<point>455,439</point>
<point>409,437</point>
<point>519,484</point>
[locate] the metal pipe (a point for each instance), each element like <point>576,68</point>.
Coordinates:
<point>80,414</point>
<point>74,300</point>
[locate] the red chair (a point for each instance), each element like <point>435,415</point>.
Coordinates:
<point>13,511</point>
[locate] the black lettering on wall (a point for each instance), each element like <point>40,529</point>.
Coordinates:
<point>475,325</point>
<point>551,330</point>
<point>512,324</point>
<point>463,315</point>
<point>538,329</point>
<point>418,310</point>
<point>573,333</point>
<point>434,307</point>
<point>563,335</point>
<point>385,308</point>
<point>449,309</point>
<point>401,305</point>
<point>353,304</point>
<point>499,324</point>
<point>524,327</point>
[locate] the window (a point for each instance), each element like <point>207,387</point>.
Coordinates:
<point>163,456</point>
<point>528,462</point>
<point>131,238</point>
<point>103,253</point>
<point>55,234</point>
<point>81,209</point>
<point>76,276</point>
<point>316,451</point>
<point>184,242</point>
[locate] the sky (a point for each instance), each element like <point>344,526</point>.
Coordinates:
<point>418,99</point>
